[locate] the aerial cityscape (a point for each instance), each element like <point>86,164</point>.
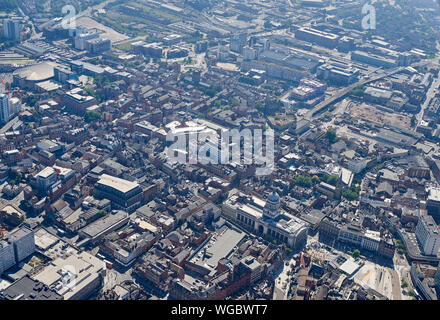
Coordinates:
<point>219,150</point>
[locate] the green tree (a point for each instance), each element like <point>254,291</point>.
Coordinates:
<point>391,230</point>
<point>400,247</point>
<point>15,177</point>
<point>102,213</point>
<point>303,181</point>
<point>92,116</point>
<point>351,194</point>
<point>260,107</point>
<point>31,100</point>
<point>101,80</point>
<point>413,121</point>
<point>99,94</point>
<point>399,244</point>
<point>404,283</point>
<point>267,24</point>
<point>358,91</point>
<point>331,135</point>
<point>333,180</point>
<point>217,103</point>
<point>25,206</point>
<point>356,254</point>
<point>233,102</point>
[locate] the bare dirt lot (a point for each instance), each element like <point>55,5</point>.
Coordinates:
<point>105,32</point>
<point>383,280</point>
<point>371,113</point>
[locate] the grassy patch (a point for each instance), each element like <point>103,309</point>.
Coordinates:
<point>125,46</point>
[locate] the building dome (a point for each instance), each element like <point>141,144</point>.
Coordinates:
<point>36,73</point>
<point>272,208</point>
<point>273,197</point>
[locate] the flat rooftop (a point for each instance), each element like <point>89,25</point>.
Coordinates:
<point>430,225</point>
<point>434,194</point>
<point>349,266</point>
<point>374,235</point>
<point>20,233</point>
<point>29,289</point>
<point>101,225</point>
<point>319,33</point>
<point>45,173</point>
<point>218,247</point>
<point>118,184</point>
<point>44,239</point>
<point>83,268</point>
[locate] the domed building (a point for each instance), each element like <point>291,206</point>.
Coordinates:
<point>265,218</point>
<point>272,208</point>
<point>28,77</point>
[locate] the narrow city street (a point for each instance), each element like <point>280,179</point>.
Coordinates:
<point>402,269</point>
<point>432,91</point>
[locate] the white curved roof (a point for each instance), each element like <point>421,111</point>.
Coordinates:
<point>37,72</point>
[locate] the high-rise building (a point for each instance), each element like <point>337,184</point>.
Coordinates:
<point>437,277</point>
<point>428,235</point>
<point>98,45</point>
<point>238,41</point>
<point>11,29</point>
<point>15,247</point>
<point>7,257</point>
<point>4,108</point>
<point>81,39</point>
<point>201,46</point>
<point>46,178</point>
<point>23,241</point>
<point>14,106</point>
